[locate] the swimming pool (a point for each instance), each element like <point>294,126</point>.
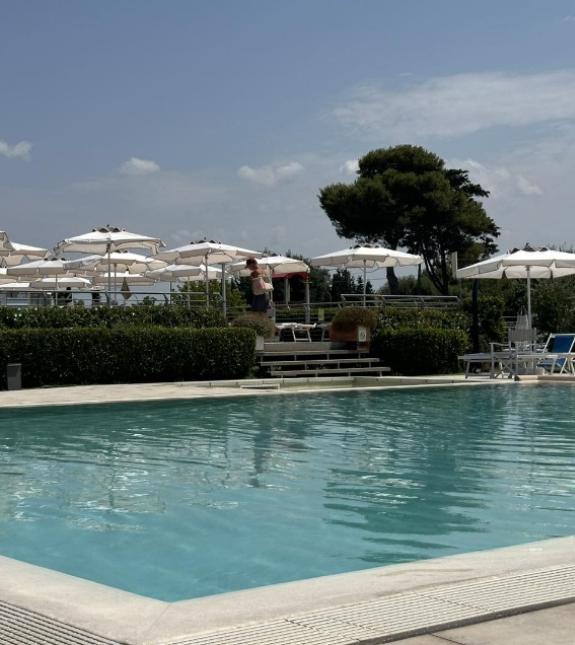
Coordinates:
<point>183,499</point>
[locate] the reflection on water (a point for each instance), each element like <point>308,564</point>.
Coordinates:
<point>176,500</point>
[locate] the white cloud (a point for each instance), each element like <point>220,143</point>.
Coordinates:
<point>350,167</point>
<point>20,150</point>
<point>136,166</point>
<point>500,181</point>
<point>461,104</point>
<point>569,19</point>
<point>526,187</point>
<point>271,174</point>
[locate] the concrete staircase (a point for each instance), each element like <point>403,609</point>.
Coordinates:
<point>291,359</point>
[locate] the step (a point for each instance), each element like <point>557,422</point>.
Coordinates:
<point>292,346</point>
<point>303,352</point>
<point>337,361</point>
<point>333,371</point>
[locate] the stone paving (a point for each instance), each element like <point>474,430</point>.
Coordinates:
<point>553,626</point>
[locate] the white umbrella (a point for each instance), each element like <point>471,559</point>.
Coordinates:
<point>366,257</point>
<point>130,278</point>
<point>133,262</point>
<point>105,240</point>
<point>523,264</point>
<point>280,266</point>
<point>15,286</point>
<point>12,253</point>
<point>5,244</point>
<point>40,269</point>
<point>273,263</point>
<point>186,273</point>
<point>65,282</point>
<point>208,252</point>
<point>4,278</point>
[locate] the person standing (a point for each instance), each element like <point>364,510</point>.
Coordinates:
<point>261,290</point>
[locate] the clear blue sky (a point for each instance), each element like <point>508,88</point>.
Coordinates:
<point>224,118</point>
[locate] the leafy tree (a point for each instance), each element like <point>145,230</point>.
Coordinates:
<point>404,196</point>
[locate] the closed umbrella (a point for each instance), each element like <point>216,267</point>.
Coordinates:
<point>523,264</point>
<point>366,257</point>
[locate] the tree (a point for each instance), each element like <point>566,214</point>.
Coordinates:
<point>404,196</point>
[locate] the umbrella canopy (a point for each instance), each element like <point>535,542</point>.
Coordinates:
<point>4,278</point>
<point>130,278</point>
<point>39,268</point>
<point>5,244</point>
<point>12,253</point>
<point>107,239</point>
<point>215,252</point>
<point>524,263</point>
<point>64,282</point>
<point>185,272</point>
<point>15,286</point>
<point>276,264</point>
<point>366,257</point>
<point>135,262</point>
<point>370,257</point>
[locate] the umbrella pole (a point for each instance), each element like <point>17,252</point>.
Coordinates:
<point>307,301</point>
<point>529,298</point>
<point>207,282</point>
<point>109,294</point>
<point>364,282</point>
<point>224,295</point>
<point>286,291</point>
<point>56,299</point>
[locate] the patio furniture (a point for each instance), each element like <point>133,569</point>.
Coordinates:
<point>558,354</point>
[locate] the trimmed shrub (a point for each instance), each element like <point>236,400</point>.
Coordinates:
<point>421,350</point>
<point>261,325</point>
<point>140,315</point>
<point>423,317</point>
<point>81,356</point>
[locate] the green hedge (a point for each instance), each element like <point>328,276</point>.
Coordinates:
<point>420,317</point>
<point>422,350</point>
<point>80,356</point>
<point>139,315</point>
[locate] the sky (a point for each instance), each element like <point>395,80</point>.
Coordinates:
<point>223,118</point>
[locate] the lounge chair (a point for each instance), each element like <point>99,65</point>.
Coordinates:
<point>558,354</point>
<point>501,357</point>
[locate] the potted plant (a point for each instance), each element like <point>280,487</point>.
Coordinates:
<point>264,327</point>
<point>346,324</point>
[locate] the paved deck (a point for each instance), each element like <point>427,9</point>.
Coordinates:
<point>132,392</point>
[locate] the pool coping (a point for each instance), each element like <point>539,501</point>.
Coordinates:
<point>137,620</point>
<point>188,390</point>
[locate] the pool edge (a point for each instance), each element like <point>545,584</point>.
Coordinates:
<point>128,618</point>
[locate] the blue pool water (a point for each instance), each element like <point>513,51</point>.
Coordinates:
<point>183,499</point>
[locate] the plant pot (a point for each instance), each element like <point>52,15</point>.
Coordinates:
<point>348,335</point>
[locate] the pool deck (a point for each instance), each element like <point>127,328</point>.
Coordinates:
<point>520,594</point>
<point>131,392</point>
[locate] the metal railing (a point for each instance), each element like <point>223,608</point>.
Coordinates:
<point>381,299</point>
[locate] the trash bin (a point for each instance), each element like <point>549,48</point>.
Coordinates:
<point>14,376</point>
